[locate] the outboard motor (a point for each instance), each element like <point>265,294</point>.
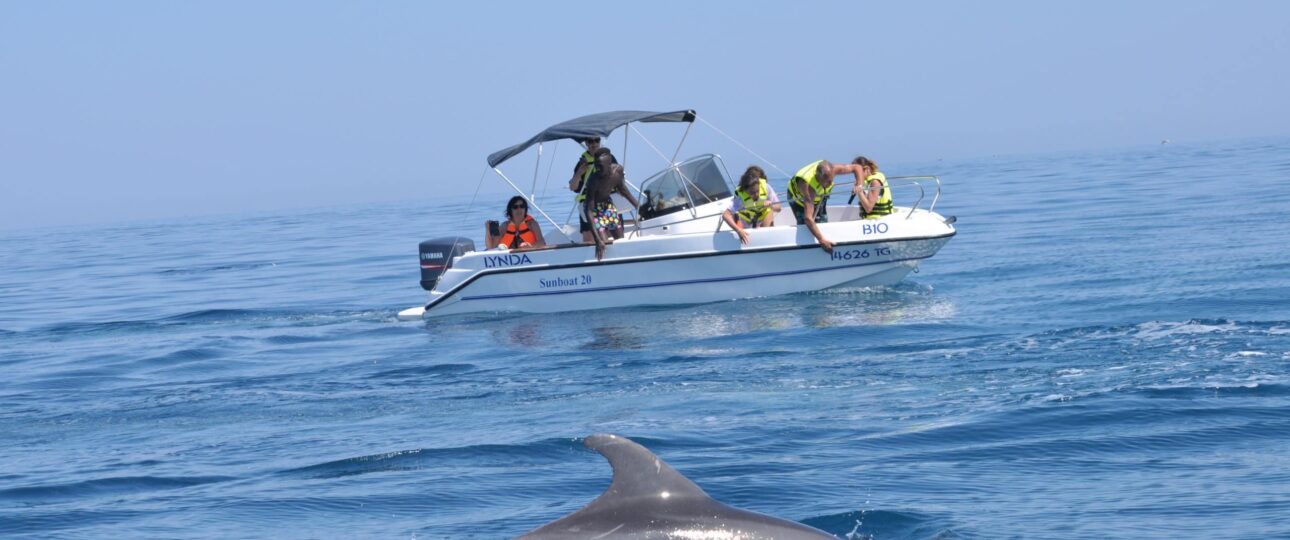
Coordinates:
<point>437,255</point>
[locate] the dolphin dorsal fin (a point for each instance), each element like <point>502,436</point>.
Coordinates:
<point>649,499</point>
<point>640,473</point>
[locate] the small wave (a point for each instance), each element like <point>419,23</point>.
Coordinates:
<point>205,315</point>
<point>83,328</point>
<point>215,315</point>
<point>505,455</point>
<point>184,355</point>
<point>884,525</point>
<point>423,371</point>
<point>215,268</point>
<point>1189,392</point>
<point>295,340</point>
<point>41,524</point>
<point>465,397</point>
<point>1158,330</point>
<point>104,487</point>
<point>1161,330</point>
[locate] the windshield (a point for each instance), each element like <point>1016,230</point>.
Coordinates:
<point>694,182</point>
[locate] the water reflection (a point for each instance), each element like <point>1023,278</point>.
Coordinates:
<point>657,327</point>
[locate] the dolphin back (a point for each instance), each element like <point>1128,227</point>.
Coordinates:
<point>649,499</point>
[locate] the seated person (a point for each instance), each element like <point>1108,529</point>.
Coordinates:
<point>754,205</point>
<point>678,200</point>
<point>519,230</point>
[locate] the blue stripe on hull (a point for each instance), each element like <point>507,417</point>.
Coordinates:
<point>684,282</point>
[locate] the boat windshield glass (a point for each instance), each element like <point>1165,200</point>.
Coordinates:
<point>694,182</point>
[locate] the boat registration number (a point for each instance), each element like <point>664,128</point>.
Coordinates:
<point>853,254</point>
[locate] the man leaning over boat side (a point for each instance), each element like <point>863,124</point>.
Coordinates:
<point>598,209</point>
<point>583,171</point>
<point>808,193</point>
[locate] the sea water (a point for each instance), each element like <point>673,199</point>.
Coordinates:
<point>1103,351</point>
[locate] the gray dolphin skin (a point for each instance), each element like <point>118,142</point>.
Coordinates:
<point>648,499</point>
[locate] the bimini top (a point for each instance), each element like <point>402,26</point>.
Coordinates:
<point>592,125</point>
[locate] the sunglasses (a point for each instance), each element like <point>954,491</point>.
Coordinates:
<point>519,207</point>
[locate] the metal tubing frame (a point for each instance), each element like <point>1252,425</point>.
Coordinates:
<point>533,205</point>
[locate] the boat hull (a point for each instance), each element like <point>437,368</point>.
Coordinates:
<point>690,268</point>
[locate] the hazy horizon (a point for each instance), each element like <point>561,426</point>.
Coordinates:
<point>117,113</point>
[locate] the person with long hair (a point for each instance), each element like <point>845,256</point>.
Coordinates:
<point>754,205</point>
<point>519,231</point>
<point>874,193</point>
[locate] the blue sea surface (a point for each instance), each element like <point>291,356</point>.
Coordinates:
<point>1102,351</point>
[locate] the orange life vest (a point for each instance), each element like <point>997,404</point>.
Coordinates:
<point>524,234</point>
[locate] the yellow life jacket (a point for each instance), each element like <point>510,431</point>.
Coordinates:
<point>755,209</point>
<point>808,173</point>
<point>883,206</point>
<point>586,174</point>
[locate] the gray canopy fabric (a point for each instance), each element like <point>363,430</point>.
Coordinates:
<point>592,125</point>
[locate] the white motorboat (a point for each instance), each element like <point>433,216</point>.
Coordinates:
<point>679,251</point>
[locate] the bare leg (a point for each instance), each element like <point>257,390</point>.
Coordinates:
<point>595,232</point>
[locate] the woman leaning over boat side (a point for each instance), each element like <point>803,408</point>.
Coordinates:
<point>519,231</point>
<point>754,205</point>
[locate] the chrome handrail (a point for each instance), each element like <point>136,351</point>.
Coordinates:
<point>913,181</point>
<point>922,192</point>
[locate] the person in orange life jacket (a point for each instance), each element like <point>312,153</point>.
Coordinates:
<point>754,204</point>
<point>519,230</point>
<point>582,172</point>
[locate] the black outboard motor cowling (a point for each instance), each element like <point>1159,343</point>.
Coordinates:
<point>437,255</point>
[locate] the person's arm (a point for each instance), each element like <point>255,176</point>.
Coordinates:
<point>851,168</point>
<point>490,241</point>
<point>537,233</point>
<point>627,194</point>
<point>734,224</point>
<point>809,210</point>
<point>575,183</point>
<point>868,196</point>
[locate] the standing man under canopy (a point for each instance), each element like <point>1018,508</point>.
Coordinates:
<point>582,172</point>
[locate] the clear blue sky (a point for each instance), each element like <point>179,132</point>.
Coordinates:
<point>114,111</point>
